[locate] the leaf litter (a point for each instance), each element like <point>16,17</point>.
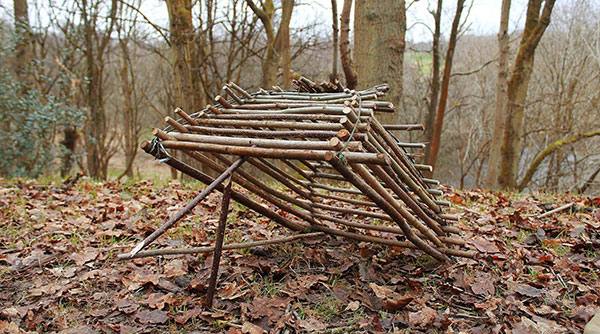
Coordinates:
<point>58,268</point>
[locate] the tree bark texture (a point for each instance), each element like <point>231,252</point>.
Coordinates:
<point>130,132</point>
<point>283,42</point>
<point>335,32</point>
<point>435,80</point>
<point>23,50</point>
<point>96,139</point>
<point>379,31</point>
<point>535,25</point>
<point>345,54</point>
<point>501,98</point>
<point>270,59</point>
<point>185,56</point>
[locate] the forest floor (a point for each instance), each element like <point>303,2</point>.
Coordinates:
<point>59,273</point>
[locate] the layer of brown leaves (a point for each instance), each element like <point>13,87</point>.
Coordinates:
<point>59,274</point>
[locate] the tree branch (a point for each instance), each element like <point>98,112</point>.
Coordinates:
<point>549,150</point>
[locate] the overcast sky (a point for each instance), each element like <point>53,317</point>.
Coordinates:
<point>483,18</point>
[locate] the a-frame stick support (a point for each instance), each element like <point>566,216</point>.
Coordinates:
<point>181,213</point>
<point>216,261</point>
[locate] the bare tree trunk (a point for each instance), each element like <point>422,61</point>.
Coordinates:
<point>71,135</point>
<point>335,32</point>
<point>535,25</point>
<point>129,113</point>
<point>345,55</point>
<point>23,54</point>
<point>97,147</point>
<point>187,90</point>
<point>589,181</point>
<point>435,79</point>
<point>501,98</point>
<point>270,60</point>
<point>439,119</point>
<point>379,32</point>
<point>283,42</point>
<point>186,68</point>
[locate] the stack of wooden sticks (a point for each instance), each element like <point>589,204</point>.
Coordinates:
<point>332,166</point>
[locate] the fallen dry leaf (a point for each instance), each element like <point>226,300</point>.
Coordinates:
<point>352,306</point>
<point>250,328</point>
<point>152,317</point>
<point>423,317</point>
<point>380,291</point>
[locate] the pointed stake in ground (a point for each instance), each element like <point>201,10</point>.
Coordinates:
<point>216,261</point>
<point>181,213</point>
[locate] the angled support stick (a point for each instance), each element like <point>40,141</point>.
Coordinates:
<point>216,261</point>
<point>181,213</point>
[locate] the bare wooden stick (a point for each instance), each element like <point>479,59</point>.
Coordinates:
<point>239,90</point>
<point>238,197</point>
<point>447,216</point>
<point>372,158</point>
<point>559,209</point>
<point>192,204</point>
<point>185,116</point>
<point>269,134</point>
<point>406,127</point>
<point>387,207</point>
<point>208,249</point>
<point>275,124</point>
<point>216,260</point>
<point>390,242</point>
<point>232,94</point>
<point>213,109</point>
<point>280,116</point>
<point>345,199</point>
<point>219,99</point>
<point>176,125</point>
<point>259,142</point>
<point>383,228</point>
<point>407,199</point>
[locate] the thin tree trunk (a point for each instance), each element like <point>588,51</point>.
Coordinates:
<point>379,32</point>
<point>69,142</point>
<point>186,68</point>
<point>283,42</point>
<point>96,129</point>
<point>270,59</point>
<point>23,51</point>
<point>345,55</point>
<point>535,25</point>
<point>501,98</point>
<point>129,119</point>
<point>435,80</point>
<point>589,181</point>
<point>439,119</point>
<point>335,32</point>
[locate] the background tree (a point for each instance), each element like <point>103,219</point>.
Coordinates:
<point>439,118</point>
<point>335,32</point>
<point>275,47</point>
<point>434,87</point>
<point>501,97</point>
<point>379,33</point>
<point>345,54</point>
<point>100,143</point>
<point>536,21</point>
<point>23,52</point>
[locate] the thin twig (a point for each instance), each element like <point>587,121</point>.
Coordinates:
<point>560,208</point>
<point>208,249</point>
